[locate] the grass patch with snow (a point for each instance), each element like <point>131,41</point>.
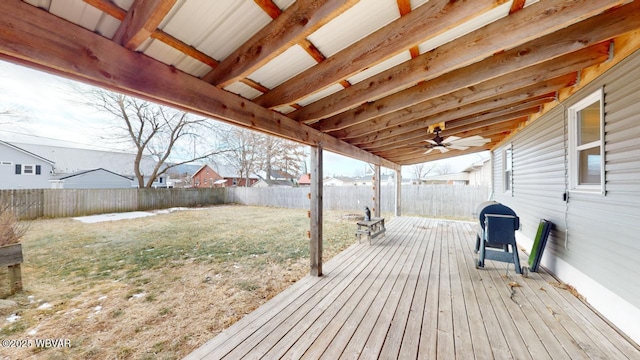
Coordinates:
<point>159,286</point>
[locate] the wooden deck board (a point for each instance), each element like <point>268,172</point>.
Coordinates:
<point>415,293</point>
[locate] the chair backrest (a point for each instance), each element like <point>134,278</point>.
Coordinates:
<point>500,229</point>
<point>498,209</point>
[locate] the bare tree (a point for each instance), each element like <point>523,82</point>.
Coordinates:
<point>278,153</point>
<point>155,130</point>
<point>243,154</point>
<point>421,170</point>
<point>443,168</point>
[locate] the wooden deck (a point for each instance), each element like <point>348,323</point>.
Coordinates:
<point>416,294</point>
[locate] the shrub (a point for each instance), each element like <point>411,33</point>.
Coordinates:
<point>11,230</point>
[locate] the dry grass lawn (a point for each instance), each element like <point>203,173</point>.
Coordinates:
<point>157,287</point>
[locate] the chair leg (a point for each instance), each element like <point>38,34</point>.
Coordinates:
<point>482,253</point>
<point>516,258</point>
<point>477,244</point>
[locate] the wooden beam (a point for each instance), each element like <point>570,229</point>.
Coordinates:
<point>405,7</point>
<point>184,48</point>
<point>113,10</point>
<point>483,128</point>
<point>315,240</point>
<point>485,119</point>
<point>420,157</point>
<point>77,53</point>
<point>398,194</point>
<point>516,6</point>
<point>493,89</point>
<point>501,101</point>
<point>425,22</point>
<point>293,26</point>
<point>269,7</point>
<point>108,7</point>
<point>579,36</point>
<point>143,18</point>
<point>537,20</point>
<point>376,190</point>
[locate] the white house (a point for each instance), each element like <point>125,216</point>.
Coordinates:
<point>21,169</point>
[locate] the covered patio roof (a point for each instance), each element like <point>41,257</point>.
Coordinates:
<point>363,78</point>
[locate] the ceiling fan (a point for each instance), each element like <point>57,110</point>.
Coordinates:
<point>453,142</point>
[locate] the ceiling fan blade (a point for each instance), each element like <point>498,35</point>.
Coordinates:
<point>472,141</point>
<point>431,141</point>
<point>428,151</point>
<point>458,147</point>
<point>450,139</point>
<point>442,149</point>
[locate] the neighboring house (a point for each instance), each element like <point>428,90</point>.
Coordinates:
<point>219,175</point>
<point>338,181</point>
<point>22,169</point>
<point>461,178</point>
<point>479,173</point>
<point>273,183</point>
<point>206,177</point>
<point>305,180</point>
<point>578,165</point>
<point>91,179</point>
<point>66,161</point>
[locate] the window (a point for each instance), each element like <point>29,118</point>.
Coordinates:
<point>507,166</point>
<point>28,170</point>
<point>586,144</point>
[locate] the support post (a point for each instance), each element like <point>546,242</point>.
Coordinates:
<point>315,251</point>
<point>398,211</point>
<point>376,191</point>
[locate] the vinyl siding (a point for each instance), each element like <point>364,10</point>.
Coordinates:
<point>603,234</point>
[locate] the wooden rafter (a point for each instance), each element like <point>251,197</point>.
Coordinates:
<point>537,20</point>
<point>80,54</point>
<point>289,28</point>
<point>141,21</point>
<point>541,73</point>
<point>436,16</point>
<point>115,11</point>
<point>478,120</point>
<point>493,89</point>
<point>486,131</point>
<point>405,7</point>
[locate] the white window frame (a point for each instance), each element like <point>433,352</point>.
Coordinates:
<point>507,166</point>
<point>574,148</point>
<point>28,166</point>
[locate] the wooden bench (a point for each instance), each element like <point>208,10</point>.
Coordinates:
<point>371,229</point>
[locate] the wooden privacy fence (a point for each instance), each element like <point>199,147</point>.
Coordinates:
<point>455,201</point>
<point>53,203</point>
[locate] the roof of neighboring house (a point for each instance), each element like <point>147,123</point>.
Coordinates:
<point>224,170</point>
<point>305,179</point>
<point>275,182</point>
<point>69,160</point>
<point>21,149</point>
<point>78,173</point>
<point>461,176</point>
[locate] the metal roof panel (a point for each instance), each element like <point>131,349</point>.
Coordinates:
<point>216,28</point>
<point>243,90</point>
<point>354,24</point>
<point>283,67</point>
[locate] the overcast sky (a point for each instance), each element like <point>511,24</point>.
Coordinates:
<point>48,113</point>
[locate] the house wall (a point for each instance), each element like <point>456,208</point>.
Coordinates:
<point>205,178</point>
<point>594,244</point>
<point>9,157</point>
<point>96,180</point>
